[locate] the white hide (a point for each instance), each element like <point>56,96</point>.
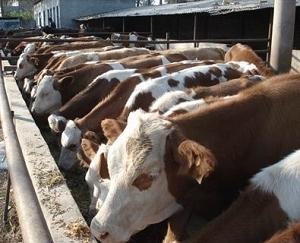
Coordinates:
<point>126,209</point>
<point>158,86</point>
<point>121,75</point>
<point>244,66</point>
<point>283,180</point>
<point>192,105</point>
<point>169,99</point>
<point>115,65</point>
<point>24,67</point>
<point>47,99</point>
<point>80,58</point>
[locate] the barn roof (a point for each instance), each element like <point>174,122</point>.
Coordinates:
<point>212,7</point>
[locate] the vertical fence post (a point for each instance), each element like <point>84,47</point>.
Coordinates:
<point>123,24</point>
<point>195,30</point>
<point>167,39</point>
<point>151,26</point>
<point>269,37</point>
<point>283,35</point>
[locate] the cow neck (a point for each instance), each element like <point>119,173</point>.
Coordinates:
<point>110,107</point>
<point>227,129</point>
<point>252,212</point>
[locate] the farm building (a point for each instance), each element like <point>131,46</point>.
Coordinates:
<point>208,19</point>
<point>64,11</point>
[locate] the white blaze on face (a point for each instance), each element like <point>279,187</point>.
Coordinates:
<point>169,100</point>
<point>138,180</point>
<point>98,186</point>
<point>71,136</point>
<point>283,180</point>
<point>33,92</point>
<point>24,67</point>
<point>47,99</point>
<point>27,85</point>
<point>30,48</point>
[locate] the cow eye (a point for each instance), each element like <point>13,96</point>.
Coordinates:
<point>21,66</point>
<point>72,147</point>
<point>143,182</point>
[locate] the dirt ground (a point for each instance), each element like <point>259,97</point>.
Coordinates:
<point>9,232</point>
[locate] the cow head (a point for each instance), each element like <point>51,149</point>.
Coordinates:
<point>49,95</point>
<point>30,48</point>
<point>70,141</point>
<point>147,164</point>
<point>26,66</point>
<point>57,123</point>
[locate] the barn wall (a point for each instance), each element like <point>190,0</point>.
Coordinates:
<point>72,9</point>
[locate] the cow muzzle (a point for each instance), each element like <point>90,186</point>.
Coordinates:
<point>67,159</point>
<point>108,234</point>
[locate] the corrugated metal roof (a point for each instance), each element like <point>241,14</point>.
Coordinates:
<point>212,7</point>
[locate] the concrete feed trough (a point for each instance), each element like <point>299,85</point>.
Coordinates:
<point>64,220</point>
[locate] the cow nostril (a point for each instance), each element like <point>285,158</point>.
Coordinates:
<point>103,236</point>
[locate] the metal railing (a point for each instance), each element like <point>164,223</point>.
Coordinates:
<point>32,222</point>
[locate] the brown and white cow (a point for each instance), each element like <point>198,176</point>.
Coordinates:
<point>241,52</point>
<point>227,142</point>
<point>146,93</point>
<point>51,95</point>
<point>74,46</point>
<point>109,107</point>
<point>81,77</point>
<point>89,97</point>
<point>266,206</point>
<point>29,65</point>
<point>170,99</point>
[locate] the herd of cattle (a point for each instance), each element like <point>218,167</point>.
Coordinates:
<point>172,133</point>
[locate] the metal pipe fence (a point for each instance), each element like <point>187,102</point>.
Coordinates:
<point>32,222</point>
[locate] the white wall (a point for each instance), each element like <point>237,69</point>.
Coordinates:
<point>45,9</point>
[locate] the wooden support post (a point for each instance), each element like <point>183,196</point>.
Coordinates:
<point>103,24</point>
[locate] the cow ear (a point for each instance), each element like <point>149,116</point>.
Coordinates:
<point>33,60</point>
<point>92,136</point>
<point>112,129</point>
<point>193,159</point>
<point>88,150</point>
<point>63,83</point>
